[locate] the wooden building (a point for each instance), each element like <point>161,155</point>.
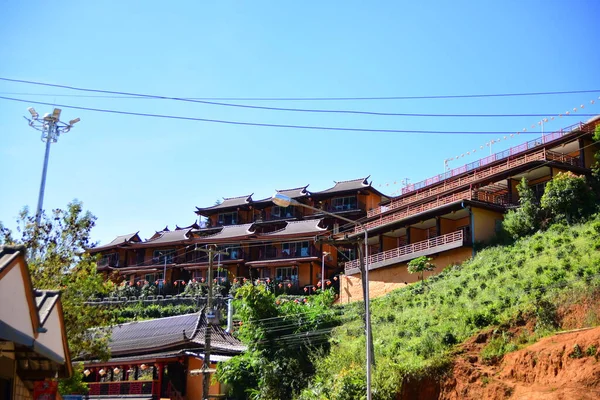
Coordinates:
<point>443,217</point>
<point>262,242</point>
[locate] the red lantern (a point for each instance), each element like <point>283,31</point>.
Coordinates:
<point>215,280</point>
<point>156,282</point>
<point>268,280</point>
<point>194,280</point>
<point>130,284</point>
<point>139,283</point>
<point>175,283</point>
<point>328,283</point>
<point>319,284</point>
<point>306,300</point>
<point>202,280</point>
<point>306,289</point>
<point>183,283</point>
<point>335,278</point>
<point>234,280</point>
<point>289,285</point>
<point>296,301</point>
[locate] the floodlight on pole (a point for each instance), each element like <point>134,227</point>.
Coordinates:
<point>283,201</point>
<point>51,127</point>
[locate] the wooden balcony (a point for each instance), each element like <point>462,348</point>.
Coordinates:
<point>408,252</point>
<point>476,175</point>
<point>414,210</point>
<point>101,390</point>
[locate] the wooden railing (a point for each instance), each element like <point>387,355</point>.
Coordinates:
<point>408,249</point>
<point>547,138</point>
<point>123,388</point>
<point>413,210</point>
<point>474,176</point>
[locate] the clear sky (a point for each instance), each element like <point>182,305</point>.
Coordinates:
<point>140,174</point>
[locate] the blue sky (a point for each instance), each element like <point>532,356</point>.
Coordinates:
<point>140,174</point>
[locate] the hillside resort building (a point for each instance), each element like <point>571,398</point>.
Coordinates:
<point>442,217</point>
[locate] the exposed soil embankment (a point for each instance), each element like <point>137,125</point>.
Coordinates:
<point>562,366</point>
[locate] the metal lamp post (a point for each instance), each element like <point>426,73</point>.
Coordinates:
<point>325,254</point>
<point>282,200</point>
<point>51,127</point>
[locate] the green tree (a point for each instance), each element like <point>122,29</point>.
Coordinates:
<point>419,265</point>
<point>282,336</point>
<point>525,220</point>
<point>58,261</point>
<point>568,198</point>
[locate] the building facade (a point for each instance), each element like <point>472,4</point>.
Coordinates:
<point>256,239</point>
<point>444,217</point>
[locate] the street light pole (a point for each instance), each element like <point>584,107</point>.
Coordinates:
<point>282,200</point>
<point>325,254</point>
<point>51,127</point>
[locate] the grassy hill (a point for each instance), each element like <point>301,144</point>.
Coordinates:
<point>416,329</point>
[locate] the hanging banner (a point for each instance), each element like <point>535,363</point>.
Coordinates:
<point>45,390</point>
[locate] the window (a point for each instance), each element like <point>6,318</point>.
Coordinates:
<point>230,218</point>
<point>286,274</point>
<point>295,249</point>
<point>347,255</point>
<point>538,190</point>
<point>344,203</point>
<point>282,212</point>
<point>235,252</point>
<point>111,259</point>
<point>160,256</point>
<point>153,278</point>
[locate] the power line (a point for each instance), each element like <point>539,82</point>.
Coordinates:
<point>320,111</point>
<point>459,96</point>
<point>260,124</point>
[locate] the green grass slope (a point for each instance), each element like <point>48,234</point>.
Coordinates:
<point>415,329</point>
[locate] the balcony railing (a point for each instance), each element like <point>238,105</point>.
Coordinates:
<point>414,210</point>
<point>404,253</point>
<point>101,389</point>
<point>476,175</point>
<point>276,253</point>
<point>357,206</point>
<point>550,137</point>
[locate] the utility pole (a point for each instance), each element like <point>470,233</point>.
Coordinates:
<point>51,127</point>
<point>210,319</point>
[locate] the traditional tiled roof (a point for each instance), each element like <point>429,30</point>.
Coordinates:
<point>230,232</point>
<point>294,193</point>
<point>346,186</point>
<point>161,334</point>
<point>292,228</point>
<point>118,241</point>
<point>231,202</point>
<point>167,237</point>
<point>192,226</point>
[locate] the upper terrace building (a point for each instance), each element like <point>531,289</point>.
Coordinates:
<point>262,241</point>
<point>443,217</point>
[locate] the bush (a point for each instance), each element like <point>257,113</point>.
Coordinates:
<point>567,198</point>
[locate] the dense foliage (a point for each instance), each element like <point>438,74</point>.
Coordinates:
<point>419,265</point>
<point>524,220</point>
<point>283,336</point>
<point>415,330</point>
<point>568,198</point>
<point>57,261</point>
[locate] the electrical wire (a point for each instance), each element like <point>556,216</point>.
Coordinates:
<point>459,96</point>
<point>260,124</point>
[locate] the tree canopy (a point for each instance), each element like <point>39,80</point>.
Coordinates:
<point>58,261</point>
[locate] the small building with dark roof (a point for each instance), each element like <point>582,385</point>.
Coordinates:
<point>158,358</point>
